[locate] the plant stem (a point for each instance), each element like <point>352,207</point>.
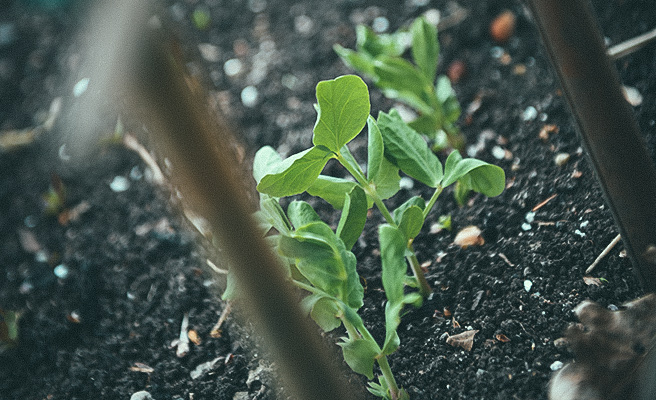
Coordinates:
<point>432,200</point>
<point>424,287</point>
<point>389,377</point>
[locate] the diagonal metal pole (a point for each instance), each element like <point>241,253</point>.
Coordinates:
<point>606,125</point>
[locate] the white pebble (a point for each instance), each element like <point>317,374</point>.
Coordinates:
<point>498,152</point>
<point>209,52</point>
<point>380,24</point>
<point>61,271</point>
<point>232,67</point>
<point>556,365</point>
<point>530,216</point>
<point>530,113</point>
<point>303,24</point>
<point>578,232</point>
<point>249,96</point>
<point>406,183</point>
<point>528,285</point>
<point>561,159</point>
<point>632,95</point>
<point>141,395</point>
<point>80,87</point>
<point>119,184</point>
<point>526,226</point>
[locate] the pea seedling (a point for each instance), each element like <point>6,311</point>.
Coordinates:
<point>379,58</point>
<point>318,259</point>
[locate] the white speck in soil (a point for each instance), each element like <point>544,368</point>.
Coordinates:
<point>584,224</point>
<point>232,67</point>
<point>613,307</point>
<point>380,24</point>
<point>556,365</point>
<point>141,395</point>
<point>209,52</point>
<point>119,184</point>
<point>529,114</point>
<point>526,226</point>
<point>498,152</point>
<point>528,285</point>
<point>561,159</point>
<point>578,232</point>
<point>249,96</point>
<point>61,271</point>
<point>432,16</point>
<point>63,155</point>
<point>530,216</point>
<point>289,81</point>
<point>80,87</point>
<point>303,25</point>
<point>406,183</point>
<point>135,173</point>
<point>496,52</point>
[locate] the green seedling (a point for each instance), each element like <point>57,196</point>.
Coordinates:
<point>379,58</point>
<point>318,259</point>
<point>8,329</point>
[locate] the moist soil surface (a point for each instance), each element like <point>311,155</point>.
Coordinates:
<point>102,294</point>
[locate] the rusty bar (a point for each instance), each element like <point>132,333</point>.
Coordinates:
<point>606,125</point>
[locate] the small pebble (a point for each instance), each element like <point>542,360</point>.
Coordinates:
<point>80,87</point>
<point>613,307</point>
<point>498,153</point>
<point>119,184</point>
<point>578,232</point>
<point>209,52</point>
<point>303,25</point>
<point>30,221</point>
<point>528,285</point>
<point>135,173</point>
<point>232,67</point>
<point>526,226</point>
<point>632,95</point>
<point>556,365</point>
<point>141,395</point>
<point>249,96</point>
<point>61,271</point>
<point>380,24</point>
<point>469,236</point>
<point>529,114</point>
<point>456,71</point>
<point>561,159</point>
<point>406,183</point>
<point>530,216</point>
<point>502,27</point>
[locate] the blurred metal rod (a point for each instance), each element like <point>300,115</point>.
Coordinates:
<point>606,125</point>
<point>205,172</point>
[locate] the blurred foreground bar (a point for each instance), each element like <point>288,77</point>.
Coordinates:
<point>606,125</point>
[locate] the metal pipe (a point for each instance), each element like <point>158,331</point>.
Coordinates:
<point>606,125</point>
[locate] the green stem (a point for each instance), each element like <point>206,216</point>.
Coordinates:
<point>358,174</point>
<point>424,287</point>
<point>432,200</point>
<point>389,377</point>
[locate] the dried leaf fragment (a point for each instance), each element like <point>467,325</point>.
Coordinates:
<point>141,367</point>
<point>502,338</point>
<point>194,337</point>
<point>590,281</point>
<point>469,236</point>
<point>464,340</point>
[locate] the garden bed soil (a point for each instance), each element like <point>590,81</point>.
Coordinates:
<point>135,267</point>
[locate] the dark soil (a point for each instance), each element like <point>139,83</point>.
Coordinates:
<point>134,269</point>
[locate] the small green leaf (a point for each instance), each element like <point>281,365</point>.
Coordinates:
<point>360,355</point>
<point>343,111</point>
<point>477,175</point>
<point>412,219</point>
<point>230,292</point>
<point>331,189</point>
<point>274,214</point>
<point>375,149</point>
<point>324,311</point>
<point>358,61</point>
<point>412,201</point>
<point>406,149</point>
<point>400,79</point>
<point>354,216</point>
<point>392,321</point>
<point>301,213</point>
<point>296,173</point>
<point>425,47</point>
<point>374,45</point>
<point>266,161</point>
<point>447,98</point>
<point>392,253</point>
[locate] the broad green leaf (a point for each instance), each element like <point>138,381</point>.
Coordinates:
<point>323,260</point>
<point>412,219</point>
<point>323,310</point>
<point>360,355</point>
<point>368,42</point>
<point>414,298</point>
<point>359,61</point>
<point>266,161</point>
<point>375,149</point>
<point>417,201</point>
<point>296,173</point>
<point>392,321</point>
<point>477,175</point>
<point>387,181</point>
<point>331,189</point>
<point>406,149</point>
<point>392,253</point>
<point>400,79</point>
<point>427,124</point>
<point>425,47</point>
<point>274,214</point>
<point>348,157</point>
<point>300,213</point>
<point>354,216</point>
<point>343,111</point>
